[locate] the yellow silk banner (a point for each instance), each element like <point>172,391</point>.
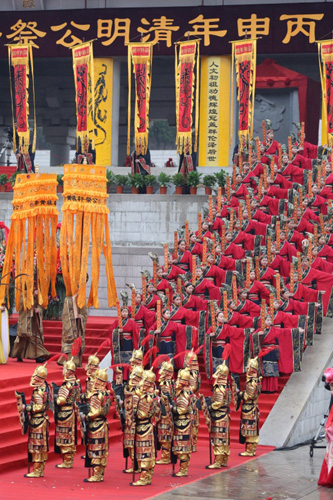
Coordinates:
<point>214,111</point>
<point>33,224</point>
<point>103,69</point>
<point>85,212</point>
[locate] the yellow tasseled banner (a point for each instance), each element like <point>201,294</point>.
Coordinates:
<point>34,206</point>
<point>85,212</point>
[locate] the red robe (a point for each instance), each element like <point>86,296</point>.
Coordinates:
<point>249,307</point>
<point>194,303</point>
<point>171,331</point>
<point>173,272</point>
<point>226,263</point>
<point>143,316</point>
<point>258,291</point>
<point>204,286</point>
<point>320,281</point>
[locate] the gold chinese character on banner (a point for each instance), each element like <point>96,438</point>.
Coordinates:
<point>25,32</point>
<point>206,28</point>
<point>162,29</point>
<point>254,26</point>
<point>73,39</point>
<point>121,28</point>
<point>301,23</point>
<point>28,4</point>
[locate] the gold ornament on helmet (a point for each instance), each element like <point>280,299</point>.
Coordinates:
<point>93,360</point>
<point>149,376</point>
<point>102,374</point>
<point>184,375</point>
<point>137,356</point>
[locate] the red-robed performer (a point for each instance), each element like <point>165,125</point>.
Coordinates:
<point>191,301</point>
<point>215,341</point>
<point>326,473</point>
<point>124,340</point>
<point>183,259</point>
<point>144,317</point>
<point>170,338</point>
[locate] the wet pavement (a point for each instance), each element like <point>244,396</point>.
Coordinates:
<point>279,475</point>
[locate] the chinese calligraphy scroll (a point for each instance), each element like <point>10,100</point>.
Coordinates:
<point>325,50</point>
<point>141,55</point>
<point>187,92</point>
<point>244,53</point>
<point>83,68</point>
<point>214,111</point>
<point>20,58</point>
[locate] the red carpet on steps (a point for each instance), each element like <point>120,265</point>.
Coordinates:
<point>13,445</point>
<point>68,484</point>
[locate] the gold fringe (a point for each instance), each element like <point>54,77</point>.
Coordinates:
<point>128,148</point>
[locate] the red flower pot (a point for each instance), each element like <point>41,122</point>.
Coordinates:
<point>119,189</point>
<point>149,189</point>
<point>179,189</point>
<point>163,189</point>
<point>135,190</point>
<point>2,188</point>
<point>193,190</point>
<point>60,188</point>
<point>208,190</point>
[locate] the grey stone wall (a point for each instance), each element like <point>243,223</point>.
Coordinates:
<point>137,225</point>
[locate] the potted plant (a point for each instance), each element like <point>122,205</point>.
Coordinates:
<point>193,180</point>
<point>60,187</point>
<point>3,182</point>
<point>136,181</point>
<point>209,182</point>
<point>164,182</point>
<point>221,179</point>
<point>149,182</point>
<point>12,178</point>
<point>120,182</point>
<point>110,179</point>
<point>179,181</point>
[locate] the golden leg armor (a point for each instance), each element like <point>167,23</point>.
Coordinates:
<point>195,431</point>
<point>98,475</point>
<point>165,456</point>
<point>67,461</point>
<point>184,464</point>
<point>38,470</point>
<point>144,480</point>
<point>250,450</point>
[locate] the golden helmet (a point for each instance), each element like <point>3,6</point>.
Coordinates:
<point>70,365</point>
<point>253,364</point>
<point>93,360</point>
<point>41,371</point>
<point>102,374</point>
<point>137,372</point>
<point>150,376</point>
<point>167,366</point>
<point>137,356</point>
<point>221,371</point>
<point>191,357</point>
<point>184,375</point>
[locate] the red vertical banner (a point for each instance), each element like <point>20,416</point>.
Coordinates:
<point>244,55</point>
<point>187,94</point>
<point>140,54</point>
<point>83,67</point>
<point>325,49</point>
<point>20,59</point>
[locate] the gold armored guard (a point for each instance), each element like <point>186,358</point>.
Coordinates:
<point>181,444</point>
<point>38,435</point>
<point>130,404</point>
<point>147,407</point>
<point>65,416</point>
<point>97,449</point>
<point>91,369</point>
<point>165,424</point>
<point>249,425</point>
<point>220,417</point>
<point>191,363</point>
